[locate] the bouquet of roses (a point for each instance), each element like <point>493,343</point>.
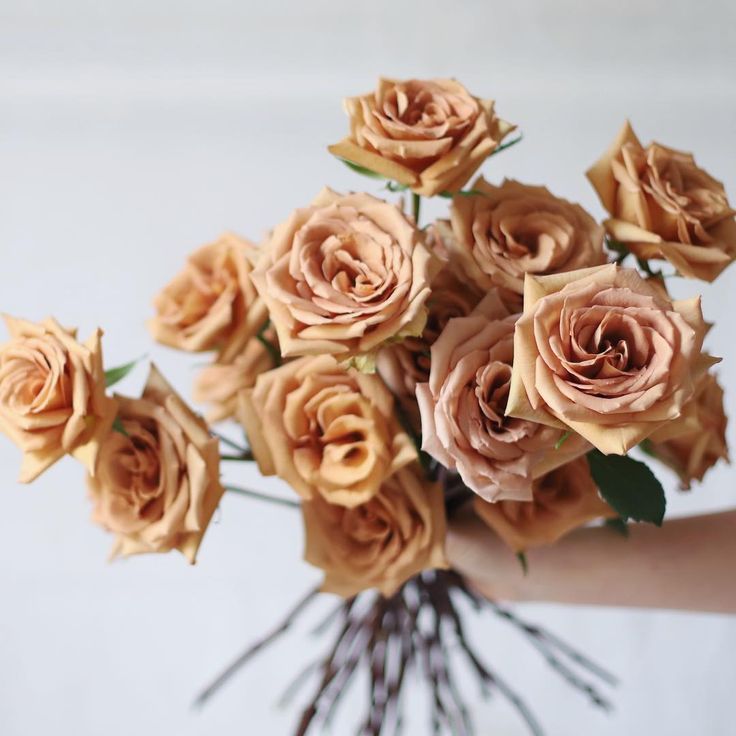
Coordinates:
<point>393,371</point>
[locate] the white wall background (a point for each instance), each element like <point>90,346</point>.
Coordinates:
<point>131,133</point>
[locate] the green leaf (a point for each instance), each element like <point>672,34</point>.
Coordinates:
<point>113,375</point>
<point>361,170</point>
<point>521,556</point>
<point>628,486</point>
<point>394,186</point>
<point>462,193</point>
<point>618,525</point>
<point>562,439</point>
<point>117,426</point>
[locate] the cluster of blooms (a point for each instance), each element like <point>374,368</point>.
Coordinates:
<point>369,359</point>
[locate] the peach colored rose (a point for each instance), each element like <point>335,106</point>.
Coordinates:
<point>381,543</point>
<point>603,353</point>
<point>462,409</point>
<point>662,205</point>
<point>52,395</point>
<point>343,276</point>
<point>695,441</point>
<point>212,303</point>
<point>325,430</point>
<point>431,135</point>
<point>515,229</point>
<point>157,485</point>
<point>563,500</point>
<point>219,384</point>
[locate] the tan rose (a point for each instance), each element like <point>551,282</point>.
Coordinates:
<point>515,229</point>
<point>219,384</point>
<point>381,543</point>
<point>52,395</point>
<point>603,353</point>
<point>563,500</point>
<point>343,276</point>
<point>429,135</point>
<point>463,405</point>
<point>662,205</point>
<point>156,486</point>
<point>212,303</point>
<point>696,441</point>
<point>325,430</point>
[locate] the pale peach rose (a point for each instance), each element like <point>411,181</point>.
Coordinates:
<point>663,206</point>
<point>463,406</point>
<point>220,383</point>
<point>604,353</point>
<point>381,543</point>
<point>343,276</point>
<point>507,231</point>
<point>563,500</point>
<point>52,395</point>
<point>325,430</point>
<point>694,442</point>
<point>431,135</point>
<point>157,482</point>
<point>212,303</point>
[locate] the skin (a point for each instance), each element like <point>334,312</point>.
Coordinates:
<point>687,564</point>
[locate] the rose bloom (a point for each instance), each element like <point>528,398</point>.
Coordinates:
<point>325,430</point>
<point>220,383</point>
<point>463,407</point>
<point>694,442</point>
<point>563,500</point>
<point>515,229</point>
<point>52,395</point>
<point>343,276</point>
<point>429,135</point>
<point>157,484</point>
<point>212,303</point>
<point>602,352</point>
<point>381,543</point>
<point>662,205</point>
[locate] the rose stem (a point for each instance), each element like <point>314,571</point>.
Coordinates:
<point>245,456</point>
<point>416,203</point>
<point>262,496</point>
<point>229,442</point>
<point>252,650</point>
<point>504,146</point>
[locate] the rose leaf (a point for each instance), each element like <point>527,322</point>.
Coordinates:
<point>113,375</point>
<point>628,486</point>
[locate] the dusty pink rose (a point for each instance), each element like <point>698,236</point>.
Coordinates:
<point>325,430</point>
<point>604,353</point>
<point>381,543</point>
<point>156,483</point>
<point>463,407</point>
<point>52,395</point>
<point>212,303</point>
<point>505,232</point>
<point>663,205</point>
<point>343,276</point>
<point>431,135</point>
